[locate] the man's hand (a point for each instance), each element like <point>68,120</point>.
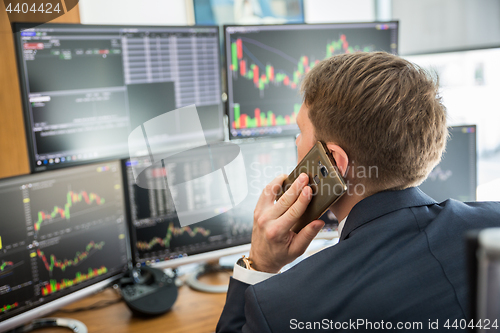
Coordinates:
<point>273,243</point>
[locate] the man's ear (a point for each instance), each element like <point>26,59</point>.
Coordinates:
<point>340,157</point>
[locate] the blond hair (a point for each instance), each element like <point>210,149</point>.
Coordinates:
<point>383,111</point>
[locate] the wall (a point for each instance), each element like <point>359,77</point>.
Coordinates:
<point>180,12</point>
<point>439,25</point>
<point>145,12</point>
<point>13,149</point>
<point>326,11</point>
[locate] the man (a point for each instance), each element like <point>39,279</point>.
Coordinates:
<point>399,263</point>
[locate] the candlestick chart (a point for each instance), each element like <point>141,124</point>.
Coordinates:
<point>7,267</point>
<point>172,232</point>
<point>63,212</point>
<point>281,77</point>
<point>8,307</point>
<point>16,280</point>
<point>67,204</point>
<point>168,239</point>
<point>52,262</point>
<point>265,68</point>
<point>57,285</point>
<point>74,259</point>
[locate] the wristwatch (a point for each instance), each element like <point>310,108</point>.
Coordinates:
<point>245,263</point>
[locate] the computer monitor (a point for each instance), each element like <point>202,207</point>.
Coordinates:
<point>156,234</point>
<point>63,236</point>
<point>468,82</point>
<point>86,87</point>
<point>455,176</point>
<point>265,65</point>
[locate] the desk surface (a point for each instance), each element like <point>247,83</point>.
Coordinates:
<point>193,312</point>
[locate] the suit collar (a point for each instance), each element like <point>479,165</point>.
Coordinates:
<point>382,203</point>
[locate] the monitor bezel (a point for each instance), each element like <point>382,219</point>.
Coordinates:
<point>22,74</point>
<point>297,25</point>
<point>52,306</point>
<point>71,295</point>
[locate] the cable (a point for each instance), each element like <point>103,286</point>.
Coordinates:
<point>97,305</point>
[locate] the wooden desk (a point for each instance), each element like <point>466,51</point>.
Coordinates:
<point>193,312</point>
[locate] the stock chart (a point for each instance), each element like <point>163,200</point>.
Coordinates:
<point>71,203</point>
<point>156,231</point>
<point>265,66</point>
<point>66,230</point>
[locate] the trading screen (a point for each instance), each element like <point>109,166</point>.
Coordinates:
<point>60,231</point>
<point>455,176</point>
<point>85,88</point>
<point>156,233</point>
<point>265,65</point>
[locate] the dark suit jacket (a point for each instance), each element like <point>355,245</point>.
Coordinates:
<point>400,258</point>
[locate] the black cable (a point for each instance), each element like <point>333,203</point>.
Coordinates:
<point>97,305</point>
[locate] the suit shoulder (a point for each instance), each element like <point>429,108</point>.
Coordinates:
<point>482,210</point>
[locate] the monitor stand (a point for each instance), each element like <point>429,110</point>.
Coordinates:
<point>72,324</point>
<point>210,267</point>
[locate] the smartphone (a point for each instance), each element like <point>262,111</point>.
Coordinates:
<point>324,179</point>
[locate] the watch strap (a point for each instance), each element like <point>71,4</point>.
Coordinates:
<point>246,263</point>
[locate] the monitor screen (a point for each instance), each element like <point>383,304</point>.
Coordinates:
<point>455,176</point>
<point>63,235</point>
<point>265,65</point>
<point>157,236</point>
<point>468,84</point>
<point>86,87</point>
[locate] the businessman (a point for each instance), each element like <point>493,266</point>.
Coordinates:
<point>399,263</point>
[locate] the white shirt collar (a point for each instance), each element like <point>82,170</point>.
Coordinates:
<point>341,226</point>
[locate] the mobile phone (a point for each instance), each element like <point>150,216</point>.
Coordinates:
<point>324,179</point>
